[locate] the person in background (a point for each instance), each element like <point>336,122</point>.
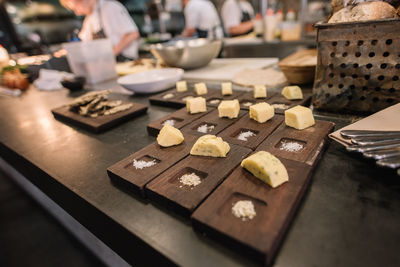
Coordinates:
<point>237,16</point>
<point>201,20</point>
<point>107,19</point>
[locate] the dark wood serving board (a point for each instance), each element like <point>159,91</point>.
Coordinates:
<point>312,139</point>
<point>262,131</point>
<point>248,97</point>
<point>167,190</point>
<point>126,175</point>
<point>260,237</point>
<point>181,117</point>
<point>218,96</point>
<point>159,99</point>
<point>213,119</point>
<point>280,99</point>
<point>101,123</point>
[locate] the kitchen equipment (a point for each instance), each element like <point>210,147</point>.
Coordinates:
<point>358,66</point>
<point>187,54</point>
<point>151,81</point>
<point>299,68</point>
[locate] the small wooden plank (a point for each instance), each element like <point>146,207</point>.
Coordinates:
<point>99,124</point>
<point>247,99</point>
<point>278,100</point>
<point>167,190</point>
<point>312,139</point>
<point>211,119</point>
<point>126,175</point>
<point>262,131</point>
<point>181,101</point>
<point>161,99</point>
<point>260,237</point>
<point>215,98</point>
<point>180,117</point>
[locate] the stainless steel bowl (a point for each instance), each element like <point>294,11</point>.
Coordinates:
<point>187,54</point>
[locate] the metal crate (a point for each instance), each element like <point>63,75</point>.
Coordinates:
<point>358,66</point>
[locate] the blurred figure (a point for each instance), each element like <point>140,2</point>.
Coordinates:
<point>237,16</point>
<point>107,19</point>
<point>201,20</point>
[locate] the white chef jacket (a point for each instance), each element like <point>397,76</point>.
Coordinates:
<point>231,12</point>
<point>116,22</point>
<point>202,14</point>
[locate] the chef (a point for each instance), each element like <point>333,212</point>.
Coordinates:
<point>201,19</point>
<point>237,16</point>
<point>107,19</point>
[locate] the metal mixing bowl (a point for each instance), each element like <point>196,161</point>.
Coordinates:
<point>187,54</point>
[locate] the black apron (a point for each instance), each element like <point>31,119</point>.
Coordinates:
<point>245,18</point>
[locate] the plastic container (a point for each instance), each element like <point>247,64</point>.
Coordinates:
<point>93,59</point>
<point>270,25</point>
<point>291,31</point>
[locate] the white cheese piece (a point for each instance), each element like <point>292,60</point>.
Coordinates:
<point>229,108</point>
<point>200,88</point>
<point>211,146</point>
<point>168,96</point>
<point>267,168</point>
<point>299,117</point>
<point>169,136</point>
<point>261,112</point>
<point>244,209</point>
<point>226,88</point>
<point>292,92</point>
<point>280,106</point>
<point>260,91</point>
<point>181,86</point>
<point>196,105</point>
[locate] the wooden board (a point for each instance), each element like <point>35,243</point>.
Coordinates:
<point>159,99</point>
<point>215,98</point>
<point>211,119</point>
<point>278,99</point>
<point>262,131</point>
<point>247,99</point>
<point>260,237</point>
<point>126,175</point>
<point>101,123</point>
<point>181,118</point>
<point>312,139</point>
<point>167,189</point>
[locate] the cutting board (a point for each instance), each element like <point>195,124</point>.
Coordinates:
<point>180,117</point>
<point>101,123</point>
<point>132,179</point>
<point>311,139</point>
<point>260,237</point>
<point>224,69</point>
<point>261,131</point>
<point>211,119</point>
<point>167,190</point>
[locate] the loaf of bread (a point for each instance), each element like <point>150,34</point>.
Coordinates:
<point>339,4</point>
<point>364,11</point>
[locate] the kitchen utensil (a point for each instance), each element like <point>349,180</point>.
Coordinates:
<point>366,148</point>
<point>393,162</point>
<point>362,133</point>
<point>382,154</point>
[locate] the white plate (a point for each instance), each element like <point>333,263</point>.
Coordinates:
<point>151,81</point>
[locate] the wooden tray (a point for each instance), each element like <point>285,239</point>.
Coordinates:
<point>262,130</point>
<point>248,97</point>
<point>167,190</point>
<point>280,99</point>
<point>170,102</point>
<point>213,119</point>
<point>313,140</point>
<point>101,123</point>
<point>126,175</point>
<point>181,118</point>
<point>260,237</point>
<point>218,96</point>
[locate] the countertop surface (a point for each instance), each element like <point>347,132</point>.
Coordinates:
<point>348,217</point>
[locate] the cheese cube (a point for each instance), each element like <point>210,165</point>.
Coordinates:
<point>260,91</point>
<point>292,92</point>
<point>229,108</point>
<point>299,117</point>
<point>210,146</point>
<point>267,168</point>
<point>226,88</point>
<point>196,105</point>
<point>169,136</point>
<point>261,112</point>
<point>200,88</point>
<point>181,86</point>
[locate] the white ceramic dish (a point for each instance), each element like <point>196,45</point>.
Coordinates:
<point>151,81</point>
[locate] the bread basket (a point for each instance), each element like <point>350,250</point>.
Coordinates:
<point>299,68</point>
